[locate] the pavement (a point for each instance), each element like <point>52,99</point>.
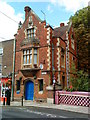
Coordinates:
<point>79,109</point>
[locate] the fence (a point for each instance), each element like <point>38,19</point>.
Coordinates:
<point>73,98</point>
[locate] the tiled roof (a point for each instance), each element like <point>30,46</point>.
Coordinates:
<point>60,32</point>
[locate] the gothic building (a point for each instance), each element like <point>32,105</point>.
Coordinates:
<point>43,55</point>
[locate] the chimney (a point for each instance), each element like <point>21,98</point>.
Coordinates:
<point>44,22</point>
<point>27,10</point>
<point>61,24</point>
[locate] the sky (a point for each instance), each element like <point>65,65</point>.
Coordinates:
<point>56,11</point>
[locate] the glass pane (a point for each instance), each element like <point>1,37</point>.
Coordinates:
<point>30,51</point>
<point>32,30</point>
<point>28,36</point>
<point>27,51</point>
<point>35,51</point>
<point>31,35</point>
<point>35,59</point>
<point>62,60</point>
<point>30,58</point>
<point>18,85</point>
<point>24,52</point>
<point>24,59</point>
<point>29,31</point>
<point>40,85</point>
<point>27,59</point>
<point>1,50</point>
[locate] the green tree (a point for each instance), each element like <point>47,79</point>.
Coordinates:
<point>79,80</point>
<point>82,35</point>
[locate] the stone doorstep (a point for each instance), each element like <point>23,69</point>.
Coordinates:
<point>40,100</point>
<point>35,100</point>
<point>17,99</point>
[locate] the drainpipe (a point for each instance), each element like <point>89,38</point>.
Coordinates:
<point>66,58</point>
<point>66,66</point>
<point>13,73</point>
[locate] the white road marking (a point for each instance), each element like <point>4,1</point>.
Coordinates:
<point>41,113</point>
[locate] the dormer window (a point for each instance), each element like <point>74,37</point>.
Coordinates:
<point>30,19</point>
<point>30,24</point>
<point>30,33</point>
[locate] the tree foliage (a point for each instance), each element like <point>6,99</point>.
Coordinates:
<point>82,35</point>
<point>79,80</point>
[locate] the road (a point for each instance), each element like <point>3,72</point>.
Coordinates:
<point>36,112</point>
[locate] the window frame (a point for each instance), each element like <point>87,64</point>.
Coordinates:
<point>72,42</point>
<point>18,86</point>
<point>63,55</point>
<point>31,60</point>
<point>35,54</point>
<point>30,32</point>
<point>40,86</point>
<point>1,51</point>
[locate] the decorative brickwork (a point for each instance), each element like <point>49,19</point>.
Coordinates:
<point>48,50</point>
<point>38,56</point>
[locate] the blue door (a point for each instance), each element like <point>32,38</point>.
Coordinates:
<point>29,92</point>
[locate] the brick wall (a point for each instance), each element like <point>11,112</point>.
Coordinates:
<point>7,58</point>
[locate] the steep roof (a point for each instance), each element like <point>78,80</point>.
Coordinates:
<point>60,32</point>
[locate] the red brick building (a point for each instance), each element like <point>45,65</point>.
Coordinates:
<point>42,53</point>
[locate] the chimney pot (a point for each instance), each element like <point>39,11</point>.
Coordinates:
<point>27,9</point>
<point>61,24</point>
<point>44,22</point>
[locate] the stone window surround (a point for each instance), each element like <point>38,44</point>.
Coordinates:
<point>33,53</point>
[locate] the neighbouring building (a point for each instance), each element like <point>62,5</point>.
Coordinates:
<point>43,54</point>
<point>6,61</point>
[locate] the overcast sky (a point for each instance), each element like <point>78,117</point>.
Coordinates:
<point>56,11</point>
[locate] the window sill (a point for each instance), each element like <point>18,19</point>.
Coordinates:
<point>40,92</point>
<point>27,64</point>
<point>62,66</point>
<point>18,91</point>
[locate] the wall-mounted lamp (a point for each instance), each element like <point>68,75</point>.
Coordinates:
<point>5,67</point>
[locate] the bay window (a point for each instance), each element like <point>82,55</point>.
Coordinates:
<point>30,56</point>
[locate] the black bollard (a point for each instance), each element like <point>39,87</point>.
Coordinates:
<point>54,94</point>
<point>4,101</point>
<point>22,100</point>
